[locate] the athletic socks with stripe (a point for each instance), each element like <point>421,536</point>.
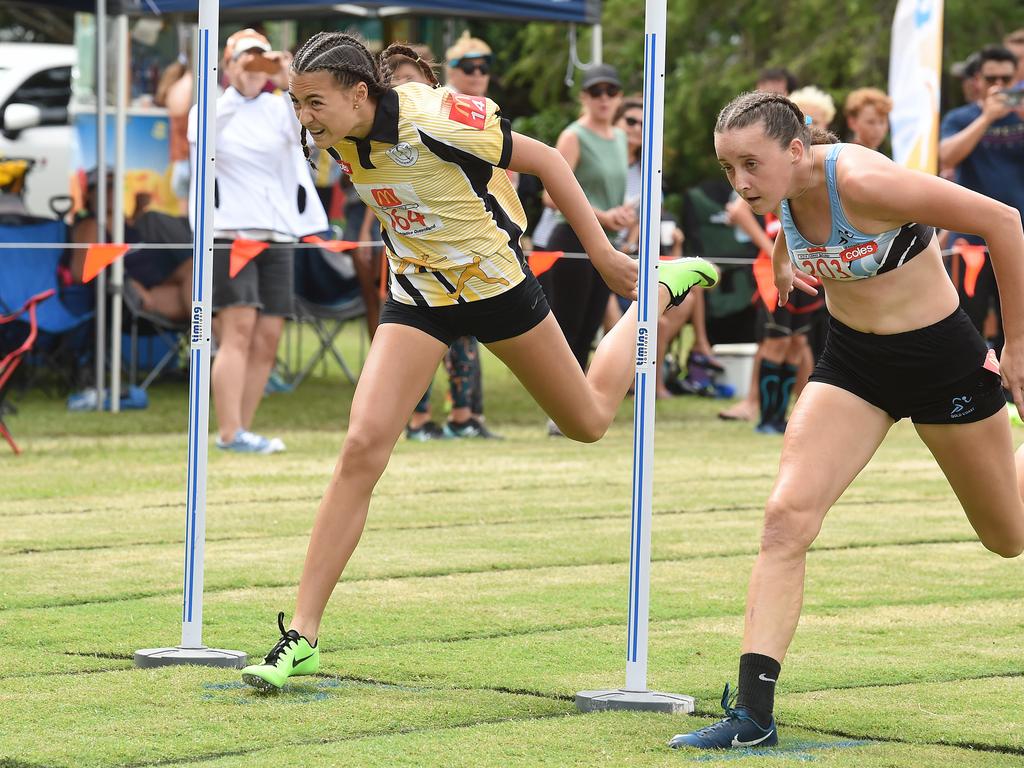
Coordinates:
<point>776,382</point>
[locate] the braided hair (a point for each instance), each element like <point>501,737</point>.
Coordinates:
<point>783,120</point>
<point>348,60</point>
<point>397,54</point>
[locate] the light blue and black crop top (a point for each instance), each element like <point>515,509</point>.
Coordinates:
<point>849,254</point>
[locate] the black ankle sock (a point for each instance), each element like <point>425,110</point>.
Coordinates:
<point>769,379</point>
<point>758,675</point>
<point>787,380</point>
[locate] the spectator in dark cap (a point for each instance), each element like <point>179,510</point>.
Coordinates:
<point>597,152</point>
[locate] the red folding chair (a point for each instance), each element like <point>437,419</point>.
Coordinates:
<point>10,362</point>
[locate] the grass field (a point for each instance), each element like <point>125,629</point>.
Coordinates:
<point>467,620</point>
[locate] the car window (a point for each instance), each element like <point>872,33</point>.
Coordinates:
<point>49,88</point>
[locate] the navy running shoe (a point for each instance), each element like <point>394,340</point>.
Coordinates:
<point>737,729</point>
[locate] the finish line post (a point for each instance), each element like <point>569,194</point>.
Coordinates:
<point>192,650</point>
<point>635,695</point>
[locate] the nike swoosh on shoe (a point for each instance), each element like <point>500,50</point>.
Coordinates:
<point>737,743</point>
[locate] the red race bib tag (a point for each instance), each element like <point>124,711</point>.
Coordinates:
<point>469,110</point>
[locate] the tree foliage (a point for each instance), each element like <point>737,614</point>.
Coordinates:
<point>716,49</point>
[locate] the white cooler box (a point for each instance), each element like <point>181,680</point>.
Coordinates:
<point>738,361</point>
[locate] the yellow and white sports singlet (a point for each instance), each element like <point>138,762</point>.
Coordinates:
<point>431,169</point>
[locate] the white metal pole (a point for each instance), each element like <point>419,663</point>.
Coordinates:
<point>647,340</point>
<point>596,45</point>
<point>117,270</point>
<point>192,650</point>
<point>202,327</point>
<point>635,695</point>
<point>101,195</point>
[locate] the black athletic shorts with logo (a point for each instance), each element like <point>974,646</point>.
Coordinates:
<point>500,317</point>
<point>933,375</point>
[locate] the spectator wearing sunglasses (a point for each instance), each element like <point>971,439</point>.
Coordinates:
<point>984,142</point>
<point>467,71</point>
<point>469,64</point>
<point>597,152</point>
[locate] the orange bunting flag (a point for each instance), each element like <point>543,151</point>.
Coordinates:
<point>764,278</point>
<point>335,246</point>
<point>99,256</point>
<point>974,260</point>
<point>542,261</point>
<point>242,252</point>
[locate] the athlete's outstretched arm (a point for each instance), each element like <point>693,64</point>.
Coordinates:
<point>880,190</point>
<point>787,279</point>
<point>537,158</point>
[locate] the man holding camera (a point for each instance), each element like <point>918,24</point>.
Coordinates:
<point>984,142</point>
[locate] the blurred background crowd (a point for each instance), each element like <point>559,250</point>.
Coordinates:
<point>831,59</point>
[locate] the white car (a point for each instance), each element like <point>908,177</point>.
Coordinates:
<point>35,88</point>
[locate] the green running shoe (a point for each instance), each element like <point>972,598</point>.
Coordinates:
<point>680,275</point>
<point>293,655</point>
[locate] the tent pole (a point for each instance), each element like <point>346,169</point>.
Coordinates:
<point>117,269</point>
<point>101,195</point>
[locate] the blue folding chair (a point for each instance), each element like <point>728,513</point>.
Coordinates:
<point>25,272</point>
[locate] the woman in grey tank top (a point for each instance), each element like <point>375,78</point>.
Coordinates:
<point>596,151</point>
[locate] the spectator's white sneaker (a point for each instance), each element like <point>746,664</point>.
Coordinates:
<point>245,441</point>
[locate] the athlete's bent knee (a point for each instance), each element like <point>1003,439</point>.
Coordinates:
<point>364,454</point>
<point>1005,547</point>
<point>585,431</point>
<point>789,527</point>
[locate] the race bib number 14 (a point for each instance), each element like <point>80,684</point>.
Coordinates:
<point>400,208</point>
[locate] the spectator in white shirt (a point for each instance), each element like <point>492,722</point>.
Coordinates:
<point>262,192</point>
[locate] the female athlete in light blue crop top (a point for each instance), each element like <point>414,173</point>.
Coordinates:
<point>898,346</point>
<point>850,254</point>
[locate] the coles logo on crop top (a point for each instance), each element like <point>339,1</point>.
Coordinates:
<point>469,110</point>
<point>855,252</point>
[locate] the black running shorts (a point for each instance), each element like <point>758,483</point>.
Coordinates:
<point>932,375</point>
<point>500,317</point>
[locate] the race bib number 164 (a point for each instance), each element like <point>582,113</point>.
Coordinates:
<point>400,208</point>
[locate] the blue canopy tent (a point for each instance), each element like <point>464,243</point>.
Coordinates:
<point>570,11</point>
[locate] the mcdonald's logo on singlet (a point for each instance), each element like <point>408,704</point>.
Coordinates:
<point>386,197</point>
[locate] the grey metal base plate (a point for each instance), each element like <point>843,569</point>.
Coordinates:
<point>207,657</point>
<point>637,701</point>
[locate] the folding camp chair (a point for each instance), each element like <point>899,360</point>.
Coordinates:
<point>63,338</point>
<point>9,363</point>
<point>154,228</point>
<point>325,300</point>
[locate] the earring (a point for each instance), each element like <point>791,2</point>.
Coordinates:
<point>355,106</point>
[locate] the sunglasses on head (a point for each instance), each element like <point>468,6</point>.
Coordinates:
<point>469,66</point>
<point>993,79</point>
<point>633,122</point>
<point>603,89</point>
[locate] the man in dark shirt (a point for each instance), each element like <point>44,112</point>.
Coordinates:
<point>984,141</point>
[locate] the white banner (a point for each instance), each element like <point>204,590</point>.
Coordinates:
<point>915,72</point>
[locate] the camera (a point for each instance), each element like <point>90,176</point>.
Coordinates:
<point>1014,97</point>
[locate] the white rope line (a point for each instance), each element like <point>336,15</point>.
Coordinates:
<point>305,246</point>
